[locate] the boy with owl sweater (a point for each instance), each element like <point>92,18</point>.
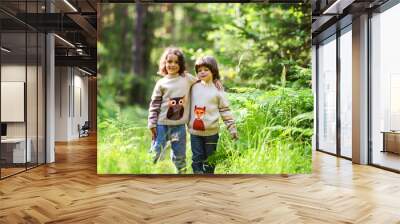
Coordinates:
<point>170,100</point>
<point>169,108</point>
<point>207,105</point>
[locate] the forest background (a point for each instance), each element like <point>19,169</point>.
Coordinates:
<point>264,55</point>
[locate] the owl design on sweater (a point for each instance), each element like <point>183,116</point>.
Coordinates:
<point>198,123</point>
<point>176,108</point>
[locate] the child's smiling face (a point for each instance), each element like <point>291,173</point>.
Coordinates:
<point>204,74</point>
<point>172,64</point>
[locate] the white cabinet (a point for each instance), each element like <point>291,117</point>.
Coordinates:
<point>18,149</point>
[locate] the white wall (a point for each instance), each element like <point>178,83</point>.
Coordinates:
<point>80,110</point>
<point>71,94</point>
<point>62,81</point>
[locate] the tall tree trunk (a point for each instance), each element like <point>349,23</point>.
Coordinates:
<point>141,53</point>
<point>171,23</point>
<point>126,63</point>
<point>140,40</point>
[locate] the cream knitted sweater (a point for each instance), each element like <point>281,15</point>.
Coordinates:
<point>208,104</point>
<point>170,100</point>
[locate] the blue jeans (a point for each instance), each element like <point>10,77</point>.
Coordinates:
<point>177,136</point>
<point>202,148</point>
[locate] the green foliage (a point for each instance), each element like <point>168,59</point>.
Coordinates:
<point>275,130</point>
<point>259,41</point>
<point>256,45</point>
<point>124,142</point>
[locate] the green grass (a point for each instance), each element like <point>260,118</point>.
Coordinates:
<point>275,129</point>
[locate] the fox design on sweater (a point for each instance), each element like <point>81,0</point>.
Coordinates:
<point>198,123</point>
<point>175,108</point>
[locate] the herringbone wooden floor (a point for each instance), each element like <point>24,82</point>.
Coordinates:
<point>70,191</point>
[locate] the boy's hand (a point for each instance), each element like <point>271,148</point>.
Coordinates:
<point>235,136</point>
<point>218,84</point>
<point>153,133</point>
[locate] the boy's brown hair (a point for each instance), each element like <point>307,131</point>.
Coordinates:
<point>162,70</point>
<point>210,63</point>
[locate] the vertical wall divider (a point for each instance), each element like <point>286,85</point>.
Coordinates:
<point>369,91</point>
<point>359,91</point>
<point>44,76</point>
<point>73,94</point>
<point>69,91</point>
<point>45,90</point>
<point>317,97</point>
<point>80,103</point>
<point>26,86</point>
<point>338,73</point>
<point>37,89</point>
